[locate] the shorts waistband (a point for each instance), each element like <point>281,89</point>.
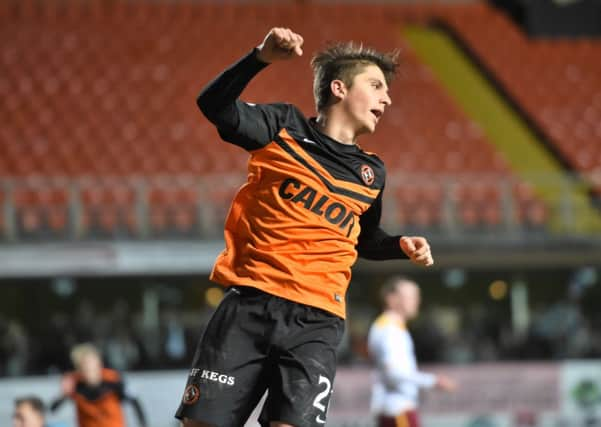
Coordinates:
<point>247,290</point>
<point>251,291</point>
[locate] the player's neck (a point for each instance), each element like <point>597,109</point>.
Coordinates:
<point>396,315</point>
<point>336,129</point>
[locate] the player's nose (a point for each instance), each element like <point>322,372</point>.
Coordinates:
<point>386,100</point>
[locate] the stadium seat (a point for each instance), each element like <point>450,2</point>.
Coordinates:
<point>108,210</point>
<point>174,210</point>
<point>555,82</point>
<point>88,102</point>
<point>41,212</point>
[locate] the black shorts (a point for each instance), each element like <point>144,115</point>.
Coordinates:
<point>255,342</point>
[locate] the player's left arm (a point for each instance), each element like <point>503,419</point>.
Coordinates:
<point>133,401</point>
<point>140,415</point>
<point>376,244</point>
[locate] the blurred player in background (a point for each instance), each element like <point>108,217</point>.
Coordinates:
<point>396,388</point>
<point>97,392</point>
<point>312,203</point>
<point>29,412</point>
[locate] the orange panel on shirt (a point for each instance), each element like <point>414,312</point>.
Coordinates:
<point>291,234</point>
<point>105,411</point>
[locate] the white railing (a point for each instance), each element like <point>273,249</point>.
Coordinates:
<point>191,207</point>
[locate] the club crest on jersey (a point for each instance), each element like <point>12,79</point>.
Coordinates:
<point>367,175</point>
<point>191,395</point>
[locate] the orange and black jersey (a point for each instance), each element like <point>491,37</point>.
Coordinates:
<point>100,405</point>
<point>310,205</point>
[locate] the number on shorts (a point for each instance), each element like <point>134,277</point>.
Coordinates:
<point>323,395</point>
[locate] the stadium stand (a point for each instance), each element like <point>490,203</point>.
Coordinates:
<point>555,81</point>
<point>106,90</point>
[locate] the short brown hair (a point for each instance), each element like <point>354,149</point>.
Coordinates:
<point>35,402</point>
<point>343,61</point>
<point>391,286</point>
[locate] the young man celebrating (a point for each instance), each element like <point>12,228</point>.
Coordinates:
<point>312,203</point>
<point>96,391</point>
<point>395,391</point>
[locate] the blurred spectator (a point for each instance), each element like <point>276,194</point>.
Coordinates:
<point>119,346</point>
<point>121,350</point>
<point>160,338</point>
<point>29,412</point>
<point>85,322</point>
<point>97,392</point>
<point>16,349</point>
<point>52,354</point>
<point>395,391</point>
<point>563,326</point>
<point>174,338</point>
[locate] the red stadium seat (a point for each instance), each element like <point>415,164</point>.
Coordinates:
<point>109,210</point>
<point>174,210</point>
<point>42,211</point>
<point>554,81</point>
<point>122,102</point>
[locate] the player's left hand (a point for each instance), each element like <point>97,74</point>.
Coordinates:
<point>417,249</point>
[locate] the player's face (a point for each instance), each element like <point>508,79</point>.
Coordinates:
<point>91,368</point>
<point>409,300</point>
<point>26,416</point>
<point>366,99</point>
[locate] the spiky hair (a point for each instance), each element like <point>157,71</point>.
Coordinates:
<point>343,61</point>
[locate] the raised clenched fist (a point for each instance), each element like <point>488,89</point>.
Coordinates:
<point>279,44</point>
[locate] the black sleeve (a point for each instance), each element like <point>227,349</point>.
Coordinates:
<point>137,409</point>
<point>56,403</point>
<point>251,126</point>
<point>374,243</point>
<point>124,397</point>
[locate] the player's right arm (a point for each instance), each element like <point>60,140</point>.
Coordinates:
<point>68,383</point>
<point>280,44</point>
<point>250,126</point>
<point>395,360</point>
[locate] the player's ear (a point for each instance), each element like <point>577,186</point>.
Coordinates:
<point>338,89</point>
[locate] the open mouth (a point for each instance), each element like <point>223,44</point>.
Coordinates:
<point>377,113</point>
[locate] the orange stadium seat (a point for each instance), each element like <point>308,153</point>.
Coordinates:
<point>84,101</point>
<point>556,82</point>
<point>108,209</point>
<point>174,210</point>
<point>480,204</point>
<point>41,211</point>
